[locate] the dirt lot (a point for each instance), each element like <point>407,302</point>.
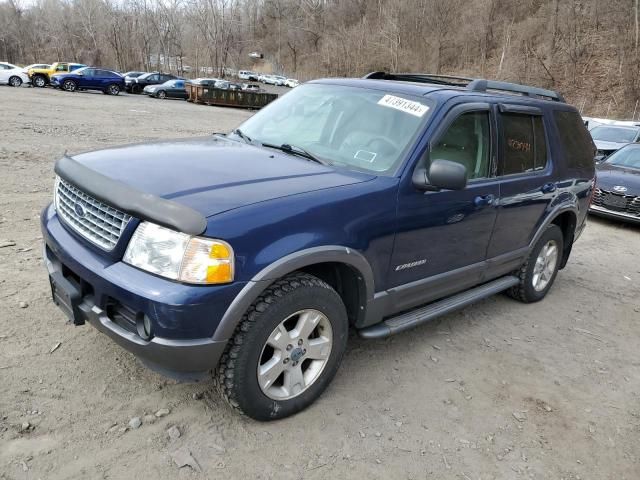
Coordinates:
<point>499,390</point>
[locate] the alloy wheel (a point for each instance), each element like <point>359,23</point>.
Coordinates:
<point>69,85</point>
<point>545,265</point>
<point>295,354</point>
<point>15,81</point>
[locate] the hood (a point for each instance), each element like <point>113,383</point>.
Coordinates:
<point>610,176</point>
<point>608,146</point>
<point>214,174</point>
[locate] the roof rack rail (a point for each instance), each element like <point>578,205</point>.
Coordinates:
<point>481,85</point>
<point>472,84</point>
<point>421,78</point>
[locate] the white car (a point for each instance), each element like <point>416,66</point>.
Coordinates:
<point>12,75</point>
<point>291,83</point>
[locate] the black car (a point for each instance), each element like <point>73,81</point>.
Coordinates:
<point>138,84</point>
<point>617,193</point>
<point>170,89</point>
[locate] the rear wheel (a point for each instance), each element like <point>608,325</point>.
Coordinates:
<point>286,350</point>
<point>39,81</point>
<point>15,81</point>
<point>113,89</point>
<point>539,272</point>
<point>69,86</point>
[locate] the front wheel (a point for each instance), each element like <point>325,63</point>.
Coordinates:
<point>286,350</point>
<point>69,86</point>
<point>161,95</point>
<point>539,272</point>
<point>39,81</point>
<point>15,81</point>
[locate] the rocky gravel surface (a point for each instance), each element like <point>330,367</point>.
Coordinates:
<point>499,390</point>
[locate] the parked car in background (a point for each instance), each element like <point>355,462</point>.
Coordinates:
<point>291,83</point>
<point>89,78</point>
<point>12,75</point>
<point>262,77</point>
<point>154,78</point>
<point>226,85</point>
<point>130,76</point>
<point>40,77</point>
<point>244,74</point>
<point>609,138</point>
<point>617,193</point>
<point>170,89</point>
<point>207,82</point>
<point>34,66</point>
<point>275,80</point>
<point>372,204</point>
<point>251,87</point>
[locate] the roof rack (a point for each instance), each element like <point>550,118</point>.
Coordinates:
<point>472,84</point>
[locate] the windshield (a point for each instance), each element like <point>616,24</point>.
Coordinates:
<point>628,157</point>
<point>353,127</point>
<point>614,134</point>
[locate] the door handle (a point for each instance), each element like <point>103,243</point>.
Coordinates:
<point>548,187</point>
<point>483,200</point>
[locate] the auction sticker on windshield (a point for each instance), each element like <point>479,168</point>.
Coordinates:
<point>414,108</point>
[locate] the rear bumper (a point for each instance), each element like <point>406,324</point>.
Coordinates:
<point>603,212</point>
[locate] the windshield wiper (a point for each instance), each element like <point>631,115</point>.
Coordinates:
<point>240,134</point>
<point>295,150</point>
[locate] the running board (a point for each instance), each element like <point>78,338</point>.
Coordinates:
<point>416,317</point>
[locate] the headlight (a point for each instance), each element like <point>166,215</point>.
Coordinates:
<point>179,256</point>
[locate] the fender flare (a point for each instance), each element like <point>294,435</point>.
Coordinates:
<point>558,210</point>
<point>285,265</point>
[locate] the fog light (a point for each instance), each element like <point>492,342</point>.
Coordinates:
<point>144,327</point>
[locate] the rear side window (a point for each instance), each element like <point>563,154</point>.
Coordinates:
<point>525,145</point>
<point>576,141</point>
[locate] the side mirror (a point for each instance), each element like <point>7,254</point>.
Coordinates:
<point>447,175</point>
<point>441,175</point>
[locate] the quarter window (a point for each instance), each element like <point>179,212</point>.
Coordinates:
<point>525,146</point>
<point>467,142</point>
<point>576,141</point>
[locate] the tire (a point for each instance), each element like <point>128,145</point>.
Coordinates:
<point>39,81</point>
<point>294,302</point>
<point>539,272</point>
<point>161,95</point>
<point>69,86</point>
<point>15,81</point>
<point>136,88</point>
<point>113,89</point>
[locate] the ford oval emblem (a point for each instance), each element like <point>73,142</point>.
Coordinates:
<point>79,209</point>
<point>620,189</point>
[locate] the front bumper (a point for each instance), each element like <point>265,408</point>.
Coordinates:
<point>183,317</point>
<point>604,212</point>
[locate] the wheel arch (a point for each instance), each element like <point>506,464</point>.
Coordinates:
<point>566,218</point>
<point>345,269</point>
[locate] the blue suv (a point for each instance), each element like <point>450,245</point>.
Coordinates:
<point>89,78</point>
<point>374,204</point>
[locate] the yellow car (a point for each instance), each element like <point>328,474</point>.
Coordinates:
<point>40,77</point>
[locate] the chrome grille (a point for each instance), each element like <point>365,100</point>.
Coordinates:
<point>616,202</point>
<point>98,222</point>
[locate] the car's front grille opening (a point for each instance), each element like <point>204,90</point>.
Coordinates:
<point>616,202</point>
<point>94,220</point>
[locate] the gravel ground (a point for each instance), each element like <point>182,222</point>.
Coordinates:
<point>499,390</point>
